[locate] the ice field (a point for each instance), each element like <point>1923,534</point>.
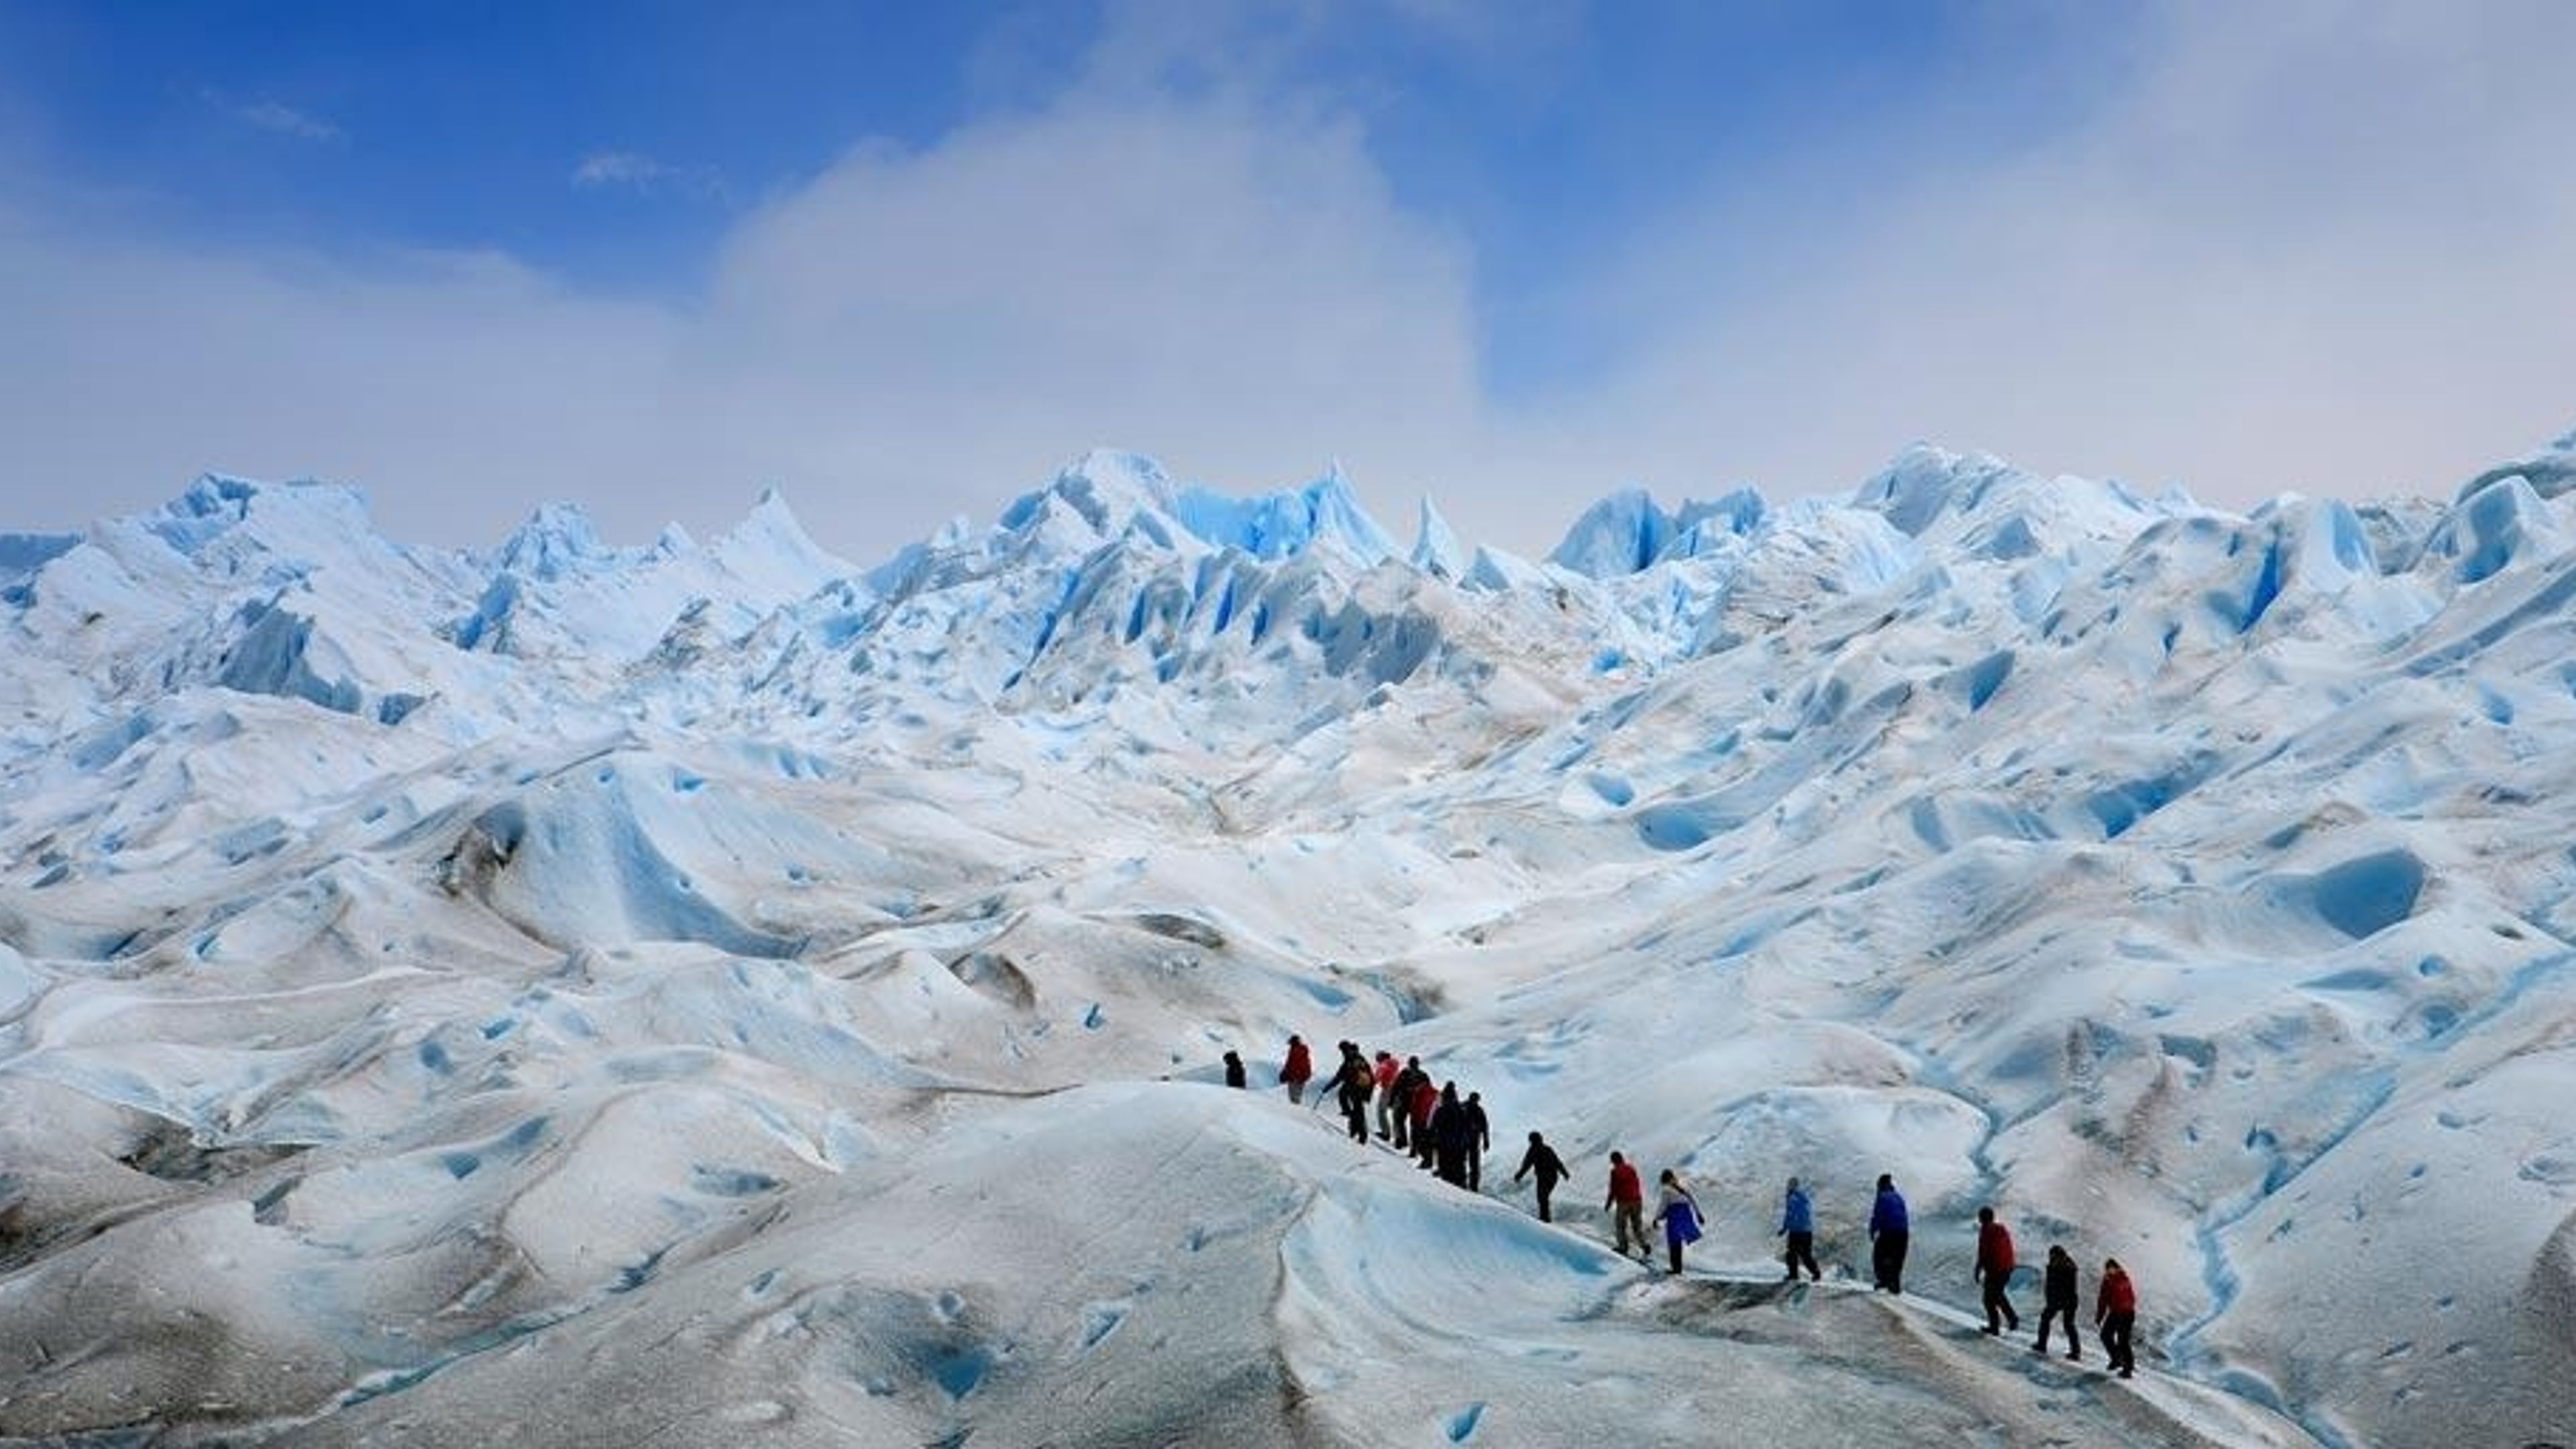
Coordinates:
<point>717,993</point>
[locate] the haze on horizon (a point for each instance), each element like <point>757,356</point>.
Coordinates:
<point>902,264</point>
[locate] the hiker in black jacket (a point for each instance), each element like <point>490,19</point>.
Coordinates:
<point>1352,1087</point>
<point>1480,1140</point>
<point>1405,1082</point>
<point>1542,1159</point>
<point>2058,1298</point>
<point>1450,1135</point>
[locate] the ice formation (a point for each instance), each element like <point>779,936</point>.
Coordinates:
<point>718,994</point>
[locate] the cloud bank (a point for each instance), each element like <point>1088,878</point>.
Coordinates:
<point>2321,248</point>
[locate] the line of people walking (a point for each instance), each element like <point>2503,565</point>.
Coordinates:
<point>1449,1136</point>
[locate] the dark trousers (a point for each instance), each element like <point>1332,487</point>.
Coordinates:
<point>1475,1168</point>
<point>1422,1148</point>
<point>2074,1343</point>
<point>1356,1113</point>
<point>1999,1309</point>
<point>1403,1130</point>
<point>1802,1253</point>
<point>1546,1185</point>
<point>1676,1246</point>
<point>1887,1261</point>
<point>2115,1342</point>
<point>1452,1165</point>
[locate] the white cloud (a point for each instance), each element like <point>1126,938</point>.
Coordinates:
<point>272,116</point>
<point>2315,247</point>
<point>912,335</point>
<point>635,171</point>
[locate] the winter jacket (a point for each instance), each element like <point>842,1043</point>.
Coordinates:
<point>2118,1295</point>
<point>1541,1159</point>
<point>2058,1286</point>
<point>1480,1134</point>
<point>1887,1215</point>
<point>1625,1185</point>
<point>1386,1072</point>
<point>1678,1211</point>
<point>1408,1082</point>
<point>1301,1067</point>
<point>1425,1097</point>
<point>1994,1252</point>
<point>1795,1214</point>
<point>1449,1128</point>
<point>1353,1082</point>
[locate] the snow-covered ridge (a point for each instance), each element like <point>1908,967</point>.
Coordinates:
<point>465,974</point>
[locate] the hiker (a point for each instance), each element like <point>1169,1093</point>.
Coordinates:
<point>1995,1269</point>
<point>1677,1213</point>
<point>2058,1299</point>
<point>2115,1316</point>
<point>1353,1083</point>
<point>1626,1205</point>
<point>1426,1100</point>
<point>1299,1070</point>
<point>1384,1077</point>
<point>1798,1225</point>
<point>1888,1230</point>
<point>1541,1159</point>
<point>1407,1082</point>
<point>1450,1136</point>
<point>1234,1069</point>
<point>1480,1140</point>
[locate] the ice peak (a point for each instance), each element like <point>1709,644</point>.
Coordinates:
<point>214,495</point>
<point>1620,534</point>
<point>557,539</point>
<point>295,518</point>
<point>1923,482</point>
<point>771,542</point>
<point>1436,550</point>
<point>1275,525</point>
<point>1105,489</point>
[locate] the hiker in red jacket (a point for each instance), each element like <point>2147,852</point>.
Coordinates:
<point>1627,1206</point>
<point>1995,1269</point>
<point>1426,1100</point>
<point>1299,1071</point>
<point>1408,1080</point>
<point>2115,1316</point>
<point>1384,1077</point>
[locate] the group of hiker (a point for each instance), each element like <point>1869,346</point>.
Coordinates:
<point>1449,1136</point>
<point>2115,1304</point>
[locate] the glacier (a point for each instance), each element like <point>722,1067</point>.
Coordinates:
<point>569,993</point>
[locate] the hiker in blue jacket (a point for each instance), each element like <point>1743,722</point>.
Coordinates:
<point>1798,1225</point>
<point>1888,1230</point>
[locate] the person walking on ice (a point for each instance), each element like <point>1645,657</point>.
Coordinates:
<point>1234,1070</point>
<point>1353,1085</point>
<point>1386,1112</point>
<point>1889,1228</point>
<point>1450,1136</point>
<point>2115,1317</point>
<point>1995,1269</point>
<point>1408,1080</point>
<point>1480,1140</point>
<point>1298,1070</point>
<point>1677,1213</point>
<point>1541,1159</point>
<point>1626,1206</point>
<point>1798,1225</point>
<point>2058,1300</point>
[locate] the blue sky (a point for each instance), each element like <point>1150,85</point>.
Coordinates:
<point>903,260</point>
